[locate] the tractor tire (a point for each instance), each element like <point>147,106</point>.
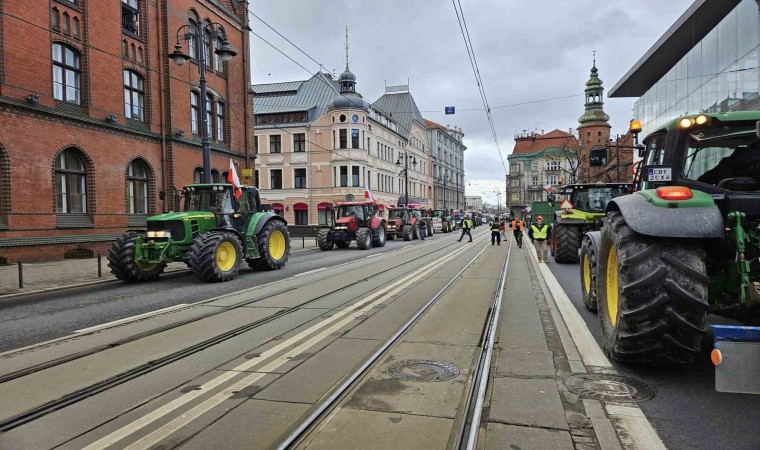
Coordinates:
<point>416,231</point>
<point>568,238</point>
<point>652,296</point>
<point>324,240</point>
<point>407,233</point>
<point>216,256</point>
<point>429,228</point>
<point>553,244</point>
<point>364,238</point>
<point>588,274</point>
<point>379,236</point>
<point>342,244</point>
<point>121,260</point>
<point>273,242</point>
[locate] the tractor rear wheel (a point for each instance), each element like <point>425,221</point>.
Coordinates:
<point>416,231</point>
<point>568,242</point>
<point>588,274</point>
<point>216,256</point>
<point>324,240</point>
<point>273,244</point>
<point>407,234</point>
<point>121,260</point>
<point>364,238</point>
<point>379,237</point>
<point>652,295</point>
<point>429,225</point>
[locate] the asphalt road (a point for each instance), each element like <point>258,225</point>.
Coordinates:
<point>37,318</point>
<point>687,412</point>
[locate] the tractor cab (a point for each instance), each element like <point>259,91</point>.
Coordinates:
<point>219,199</point>
<point>355,215</point>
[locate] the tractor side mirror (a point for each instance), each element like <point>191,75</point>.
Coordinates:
<point>643,150</point>
<point>598,157</point>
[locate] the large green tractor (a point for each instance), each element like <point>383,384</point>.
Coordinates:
<point>586,212</point>
<point>685,244</point>
<point>213,234</point>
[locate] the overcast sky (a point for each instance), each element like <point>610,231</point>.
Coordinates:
<point>526,51</point>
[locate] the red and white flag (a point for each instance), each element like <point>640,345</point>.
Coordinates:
<point>232,177</point>
<point>368,195</point>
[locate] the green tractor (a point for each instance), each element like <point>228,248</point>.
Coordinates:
<point>587,203</point>
<point>442,221</point>
<point>213,235</point>
<point>686,243</point>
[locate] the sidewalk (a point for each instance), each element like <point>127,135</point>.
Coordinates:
<point>48,276</point>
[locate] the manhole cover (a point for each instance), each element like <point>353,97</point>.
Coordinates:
<point>615,388</point>
<point>422,370</point>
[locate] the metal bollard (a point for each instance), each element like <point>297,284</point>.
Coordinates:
<point>20,274</point>
<point>303,241</point>
<point>100,267</point>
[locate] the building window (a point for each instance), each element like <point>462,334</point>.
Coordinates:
<point>209,102</point>
<point>219,64</point>
<point>552,179</point>
<point>66,23</point>
<point>55,19</point>
<point>301,212</point>
<point>343,176</point>
<point>134,96</point>
<point>354,138</point>
<point>535,181</point>
<point>198,175</point>
<point>215,176</point>
<point>275,179</point>
<point>299,142</point>
<point>275,143</point>
<point>343,138</point>
<point>355,176</point>
<point>75,27</point>
<point>70,183</point>
<point>130,16</point>
<point>137,188</point>
<point>195,112</point>
<point>220,121</point>
<point>553,165</point>
<point>67,75</point>
<point>192,45</point>
<point>209,56</point>
<point>299,177</point>
<point>256,178</point>
<point>255,145</point>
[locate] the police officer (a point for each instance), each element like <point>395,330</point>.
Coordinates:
<point>466,227</point>
<point>495,225</point>
<point>539,234</point>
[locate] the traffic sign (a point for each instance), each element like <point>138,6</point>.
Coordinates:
<point>566,205</point>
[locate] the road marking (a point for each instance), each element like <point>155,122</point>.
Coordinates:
<point>338,321</point>
<point>634,429</point>
<point>133,318</point>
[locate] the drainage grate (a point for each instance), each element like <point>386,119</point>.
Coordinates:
<point>422,370</point>
<point>615,388</point>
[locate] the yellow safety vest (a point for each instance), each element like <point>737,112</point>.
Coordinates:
<point>539,234</point>
<point>466,223</point>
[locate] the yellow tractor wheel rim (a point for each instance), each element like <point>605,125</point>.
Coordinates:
<point>226,256</point>
<point>277,245</point>
<point>612,286</point>
<point>586,274</point>
<point>145,267</point>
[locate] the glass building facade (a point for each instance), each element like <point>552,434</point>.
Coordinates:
<point>719,74</point>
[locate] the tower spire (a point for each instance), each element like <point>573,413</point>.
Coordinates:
<point>594,53</point>
<point>347,79</point>
<point>346,48</point>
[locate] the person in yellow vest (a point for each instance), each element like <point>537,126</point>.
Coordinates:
<point>466,227</point>
<point>495,225</point>
<point>539,234</point>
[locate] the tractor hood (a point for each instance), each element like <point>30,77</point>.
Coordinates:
<point>345,220</point>
<point>190,215</point>
<point>577,216</point>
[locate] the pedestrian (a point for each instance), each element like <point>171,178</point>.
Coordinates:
<point>503,228</point>
<point>466,227</point>
<point>423,229</point>
<point>517,227</point>
<point>495,226</point>
<point>539,234</point>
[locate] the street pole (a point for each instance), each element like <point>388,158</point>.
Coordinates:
<point>406,179</point>
<point>205,141</point>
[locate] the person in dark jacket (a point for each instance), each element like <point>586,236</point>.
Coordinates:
<point>495,225</point>
<point>539,234</point>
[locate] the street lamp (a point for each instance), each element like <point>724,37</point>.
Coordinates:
<point>444,179</point>
<point>498,202</point>
<point>202,34</point>
<point>406,157</point>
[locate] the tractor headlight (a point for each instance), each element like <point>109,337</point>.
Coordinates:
<point>160,234</point>
<point>341,228</point>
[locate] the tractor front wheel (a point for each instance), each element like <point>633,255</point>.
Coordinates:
<point>364,238</point>
<point>379,237</point>
<point>588,274</point>
<point>121,260</point>
<point>652,295</point>
<point>408,233</point>
<point>324,240</point>
<point>216,256</point>
<point>568,242</point>
<point>273,243</point>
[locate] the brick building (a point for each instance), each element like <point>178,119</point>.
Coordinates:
<point>98,127</point>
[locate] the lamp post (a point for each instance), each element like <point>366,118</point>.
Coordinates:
<point>444,179</point>
<point>201,34</point>
<point>406,157</point>
<point>498,202</point>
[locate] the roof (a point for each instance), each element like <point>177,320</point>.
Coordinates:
<point>402,109</point>
<point>312,95</point>
<point>431,124</point>
<point>693,25</point>
<point>535,142</point>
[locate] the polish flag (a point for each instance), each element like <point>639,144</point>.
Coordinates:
<point>368,195</point>
<point>232,177</point>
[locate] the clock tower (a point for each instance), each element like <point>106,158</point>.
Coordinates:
<point>593,128</point>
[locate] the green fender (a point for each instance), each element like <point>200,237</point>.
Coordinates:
<point>255,224</point>
<point>647,214</point>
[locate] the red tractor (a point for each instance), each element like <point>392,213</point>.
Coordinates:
<point>354,221</point>
<point>405,223</point>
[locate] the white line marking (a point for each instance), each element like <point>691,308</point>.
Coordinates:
<point>339,320</point>
<point>133,318</point>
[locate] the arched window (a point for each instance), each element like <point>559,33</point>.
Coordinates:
<point>134,96</point>
<point>209,103</point>
<point>55,19</point>
<point>132,52</point>
<point>67,74</point>
<point>209,56</point>
<point>70,183</point>
<point>140,55</point>
<point>192,45</point>
<point>214,176</point>
<point>124,49</point>
<point>66,23</point>
<point>75,28</point>
<point>198,175</point>
<point>220,121</point>
<point>219,64</point>
<point>137,188</point>
<point>195,112</point>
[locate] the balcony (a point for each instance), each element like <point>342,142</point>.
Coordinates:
<point>535,188</point>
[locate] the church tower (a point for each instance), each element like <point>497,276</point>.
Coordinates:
<point>594,127</point>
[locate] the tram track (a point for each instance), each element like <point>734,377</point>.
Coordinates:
<point>149,366</point>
